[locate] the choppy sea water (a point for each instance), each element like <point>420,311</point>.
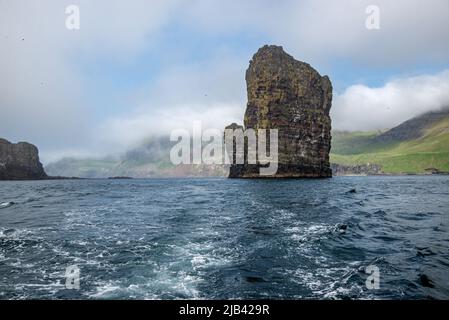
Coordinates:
<point>226,239</point>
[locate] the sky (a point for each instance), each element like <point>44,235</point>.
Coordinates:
<point>139,68</point>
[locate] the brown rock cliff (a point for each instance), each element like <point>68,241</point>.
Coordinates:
<point>19,161</point>
<point>290,96</point>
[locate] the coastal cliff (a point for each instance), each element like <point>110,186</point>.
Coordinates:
<point>290,96</point>
<point>20,161</point>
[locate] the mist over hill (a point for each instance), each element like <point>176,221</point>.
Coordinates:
<point>149,160</point>
<point>412,147</point>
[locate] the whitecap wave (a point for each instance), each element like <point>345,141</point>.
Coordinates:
<point>4,205</point>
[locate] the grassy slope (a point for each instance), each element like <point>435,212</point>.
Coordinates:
<point>429,151</point>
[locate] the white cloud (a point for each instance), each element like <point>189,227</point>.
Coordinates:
<point>213,92</point>
<point>42,89</point>
<point>121,133</point>
<point>219,79</point>
<point>322,30</point>
<point>363,108</point>
<point>410,31</point>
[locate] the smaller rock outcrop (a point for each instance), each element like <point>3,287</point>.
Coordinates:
<point>20,161</point>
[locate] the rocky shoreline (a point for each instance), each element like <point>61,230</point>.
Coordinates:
<point>376,170</point>
<point>357,170</point>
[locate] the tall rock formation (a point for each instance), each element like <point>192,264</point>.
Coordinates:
<point>290,96</point>
<point>19,161</point>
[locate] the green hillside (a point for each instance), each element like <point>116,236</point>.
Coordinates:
<point>412,147</point>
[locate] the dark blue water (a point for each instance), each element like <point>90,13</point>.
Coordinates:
<point>218,238</point>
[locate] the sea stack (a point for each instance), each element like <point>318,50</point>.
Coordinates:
<point>20,161</point>
<point>290,96</point>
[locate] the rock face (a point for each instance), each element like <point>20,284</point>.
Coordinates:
<point>19,161</point>
<point>290,96</point>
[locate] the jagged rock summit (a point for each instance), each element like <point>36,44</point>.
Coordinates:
<point>290,96</point>
<point>20,161</point>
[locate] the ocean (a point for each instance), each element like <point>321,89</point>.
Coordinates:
<point>226,239</point>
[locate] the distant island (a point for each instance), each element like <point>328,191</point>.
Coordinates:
<point>120,178</point>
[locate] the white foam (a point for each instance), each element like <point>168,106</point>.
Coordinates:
<point>4,205</point>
